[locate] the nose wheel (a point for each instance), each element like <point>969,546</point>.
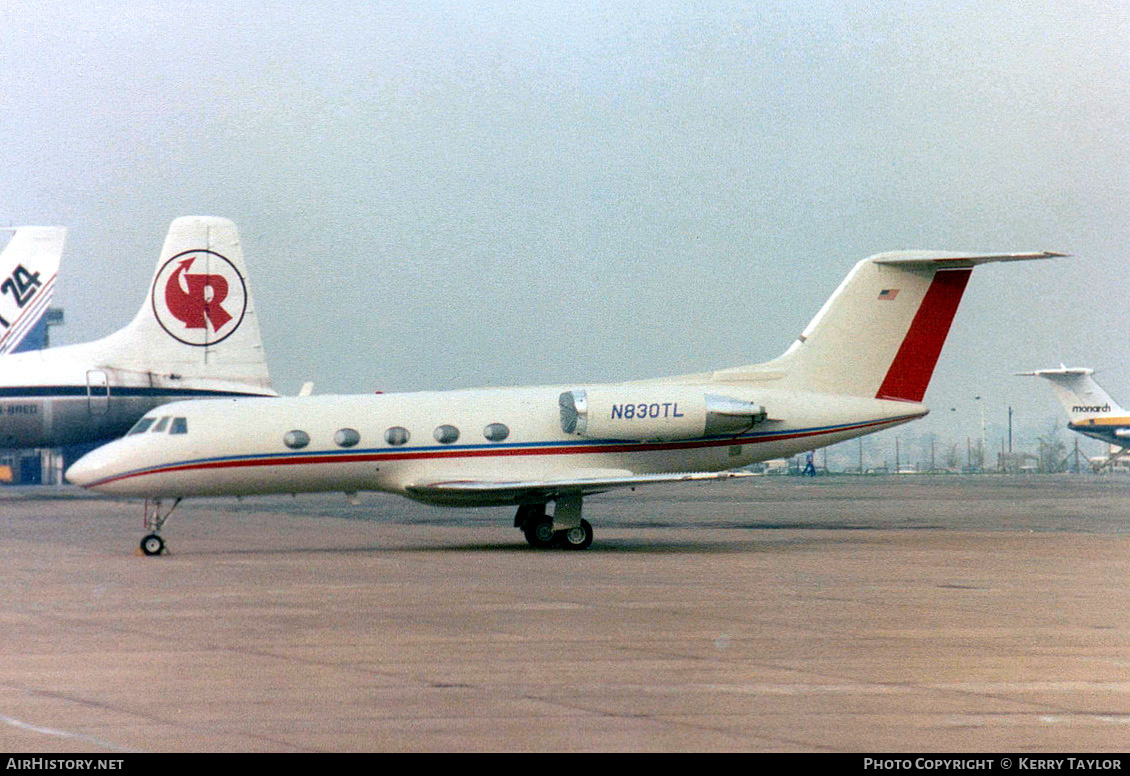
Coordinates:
<point>153,543</point>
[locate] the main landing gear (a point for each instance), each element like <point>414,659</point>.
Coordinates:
<point>153,543</point>
<point>566,529</point>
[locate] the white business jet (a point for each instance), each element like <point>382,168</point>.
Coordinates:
<point>28,267</point>
<point>195,336</point>
<point>862,365</point>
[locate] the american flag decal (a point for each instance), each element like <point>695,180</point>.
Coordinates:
<point>888,293</point>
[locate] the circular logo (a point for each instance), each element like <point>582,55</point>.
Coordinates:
<point>199,298</point>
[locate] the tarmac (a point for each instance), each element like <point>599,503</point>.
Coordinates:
<point>782,614</point>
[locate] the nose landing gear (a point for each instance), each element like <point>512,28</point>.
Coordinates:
<point>152,543</point>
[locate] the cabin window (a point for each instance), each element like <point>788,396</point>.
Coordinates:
<point>397,436</point>
<point>141,426</point>
<point>496,432</point>
<point>446,434</point>
<point>162,424</point>
<point>296,439</point>
<point>346,437</point>
<point>179,426</point>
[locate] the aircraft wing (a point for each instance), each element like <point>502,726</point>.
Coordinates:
<point>472,492</point>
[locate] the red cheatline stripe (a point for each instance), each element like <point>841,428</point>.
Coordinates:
<point>381,457</point>
<point>909,373</point>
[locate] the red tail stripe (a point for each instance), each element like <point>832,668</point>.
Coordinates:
<point>910,372</point>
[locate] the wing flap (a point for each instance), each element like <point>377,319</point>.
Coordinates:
<point>475,492</point>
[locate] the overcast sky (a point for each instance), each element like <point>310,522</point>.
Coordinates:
<point>440,195</point>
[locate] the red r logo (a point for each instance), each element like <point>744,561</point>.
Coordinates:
<point>199,308</point>
<point>194,299</point>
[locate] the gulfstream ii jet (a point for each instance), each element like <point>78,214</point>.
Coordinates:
<point>195,336</point>
<point>862,365</point>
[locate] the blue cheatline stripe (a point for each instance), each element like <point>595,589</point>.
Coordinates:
<point>561,447</point>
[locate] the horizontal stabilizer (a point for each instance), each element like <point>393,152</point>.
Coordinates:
<point>1063,370</point>
<point>948,260</point>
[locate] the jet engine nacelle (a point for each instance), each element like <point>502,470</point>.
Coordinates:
<point>655,413</point>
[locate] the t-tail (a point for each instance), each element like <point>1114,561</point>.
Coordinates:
<point>28,266</point>
<point>880,334</point>
<point>198,321</point>
<point>1084,399</point>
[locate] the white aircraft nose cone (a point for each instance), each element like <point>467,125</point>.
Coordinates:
<point>86,470</point>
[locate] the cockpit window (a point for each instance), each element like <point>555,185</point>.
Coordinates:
<point>161,425</point>
<point>141,426</point>
<point>179,426</point>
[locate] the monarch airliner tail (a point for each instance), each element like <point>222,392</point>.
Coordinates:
<point>1082,397</point>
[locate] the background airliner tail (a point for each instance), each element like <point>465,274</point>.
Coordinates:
<point>28,267</point>
<point>198,319</point>
<point>880,334</point>
<point>1080,395</point>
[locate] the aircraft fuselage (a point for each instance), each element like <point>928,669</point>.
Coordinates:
<point>398,442</point>
<point>67,402</point>
<point>1113,431</point>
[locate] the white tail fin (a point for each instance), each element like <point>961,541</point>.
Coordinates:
<point>1080,395</point>
<point>880,334</point>
<point>28,267</point>
<point>198,320</point>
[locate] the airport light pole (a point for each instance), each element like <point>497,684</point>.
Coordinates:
<point>981,404</point>
<point>1010,429</point>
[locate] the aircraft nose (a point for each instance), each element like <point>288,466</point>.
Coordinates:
<point>87,470</point>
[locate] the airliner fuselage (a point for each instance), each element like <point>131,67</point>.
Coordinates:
<point>68,401</point>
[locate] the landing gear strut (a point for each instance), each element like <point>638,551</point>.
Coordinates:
<point>566,529</point>
<point>153,543</point>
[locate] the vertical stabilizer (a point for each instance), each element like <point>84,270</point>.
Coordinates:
<point>28,267</point>
<point>1082,397</point>
<point>198,319</point>
<point>880,334</point>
